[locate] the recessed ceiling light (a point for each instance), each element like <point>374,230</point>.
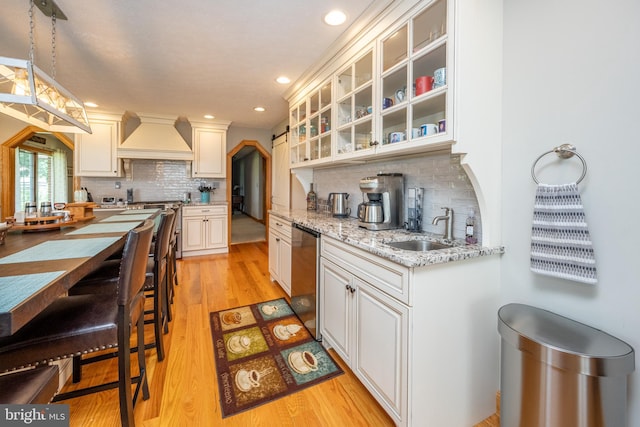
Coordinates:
<point>209,116</point>
<point>90,104</point>
<point>283,80</point>
<point>335,17</point>
<point>259,109</point>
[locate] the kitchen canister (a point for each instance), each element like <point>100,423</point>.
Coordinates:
<point>45,208</point>
<point>30,210</point>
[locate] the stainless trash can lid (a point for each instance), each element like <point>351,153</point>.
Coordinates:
<point>564,343</point>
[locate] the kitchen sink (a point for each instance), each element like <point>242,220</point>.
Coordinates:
<point>419,245</point>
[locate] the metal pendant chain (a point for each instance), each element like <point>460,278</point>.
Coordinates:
<point>31,42</point>
<point>53,45</point>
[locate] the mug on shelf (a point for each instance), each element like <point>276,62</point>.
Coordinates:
<point>396,137</point>
<point>424,84</point>
<point>440,77</point>
<point>442,125</point>
<point>386,103</point>
<point>428,129</point>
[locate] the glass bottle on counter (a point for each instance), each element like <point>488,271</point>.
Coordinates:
<point>312,199</point>
<point>470,236</point>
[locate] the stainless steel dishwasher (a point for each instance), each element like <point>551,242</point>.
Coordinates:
<point>305,245</point>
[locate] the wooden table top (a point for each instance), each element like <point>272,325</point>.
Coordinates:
<point>38,267</point>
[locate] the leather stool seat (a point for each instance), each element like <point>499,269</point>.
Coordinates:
<point>34,386</point>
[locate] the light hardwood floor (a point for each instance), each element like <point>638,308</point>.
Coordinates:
<point>184,391</point>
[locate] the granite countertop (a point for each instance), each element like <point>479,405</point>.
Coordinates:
<point>348,231</point>
<point>211,203</point>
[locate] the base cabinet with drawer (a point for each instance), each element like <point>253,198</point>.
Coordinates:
<point>280,252</point>
<point>204,230</point>
<point>422,340</point>
<point>366,327</point>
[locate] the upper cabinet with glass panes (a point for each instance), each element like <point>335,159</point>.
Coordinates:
<point>392,94</point>
<point>355,106</point>
<point>413,81</point>
<point>310,124</point>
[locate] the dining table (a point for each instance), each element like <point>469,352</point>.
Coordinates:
<point>37,267</point>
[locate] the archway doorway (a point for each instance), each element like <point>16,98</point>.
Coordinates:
<point>8,163</point>
<point>248,191</point>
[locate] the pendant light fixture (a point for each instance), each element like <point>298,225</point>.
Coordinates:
<point>30,95</point>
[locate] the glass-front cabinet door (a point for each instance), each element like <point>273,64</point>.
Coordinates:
<point>413,81</point>
<point>320,123</point>
<point>354,93</point>
<point>310,123</point>
<point>298,125</point>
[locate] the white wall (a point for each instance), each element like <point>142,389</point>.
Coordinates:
<point>235,135</point>
<point>572,74</point>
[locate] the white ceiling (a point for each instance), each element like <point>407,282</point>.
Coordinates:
<point>181,58</point>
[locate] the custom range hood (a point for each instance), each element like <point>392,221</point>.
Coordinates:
<point>156,138</point>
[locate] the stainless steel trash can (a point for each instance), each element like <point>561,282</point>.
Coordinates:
<point>556,372</point>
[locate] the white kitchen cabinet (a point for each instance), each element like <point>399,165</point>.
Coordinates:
<point>209,151</point>
<point>311,123</point>
<point>204,230</point>
<point>96,154</point>
<point>422,340</point>
<point>366,327</point>
<point>379,105</point>
<point>336,305</point>
<point>355,107</point>
<point>280,252</point>
<point>409,40</point>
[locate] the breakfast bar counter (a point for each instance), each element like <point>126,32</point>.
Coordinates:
<point>38,267</point>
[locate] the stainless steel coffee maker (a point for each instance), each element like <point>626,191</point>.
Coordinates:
<point>382,208</point>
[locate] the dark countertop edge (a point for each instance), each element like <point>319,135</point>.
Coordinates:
<point>343,229</point>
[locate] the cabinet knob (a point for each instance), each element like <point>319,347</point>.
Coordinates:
<point>277,239</point>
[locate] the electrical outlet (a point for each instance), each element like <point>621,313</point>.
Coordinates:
<point>118,185</point>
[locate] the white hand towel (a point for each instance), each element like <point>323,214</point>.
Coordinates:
<point>560,240</point>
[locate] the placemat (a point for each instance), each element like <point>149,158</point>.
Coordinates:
<point>116,227</point>
<point>60,249</point>
<point>15,289</point>
<point>121,218</point>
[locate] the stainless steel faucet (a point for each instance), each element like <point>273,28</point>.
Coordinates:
<point>448,218</point>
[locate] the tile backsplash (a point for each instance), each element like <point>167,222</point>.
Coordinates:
<point>154,180</point>
<point>443,179</point>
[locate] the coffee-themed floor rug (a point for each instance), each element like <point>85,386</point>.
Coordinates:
<point>263,352</point>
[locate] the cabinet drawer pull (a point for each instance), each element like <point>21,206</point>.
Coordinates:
<point>206,210</point>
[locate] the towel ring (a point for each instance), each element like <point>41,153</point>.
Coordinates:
<point>564,151</point>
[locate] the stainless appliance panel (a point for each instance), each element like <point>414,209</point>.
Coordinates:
<point>305,245</point>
